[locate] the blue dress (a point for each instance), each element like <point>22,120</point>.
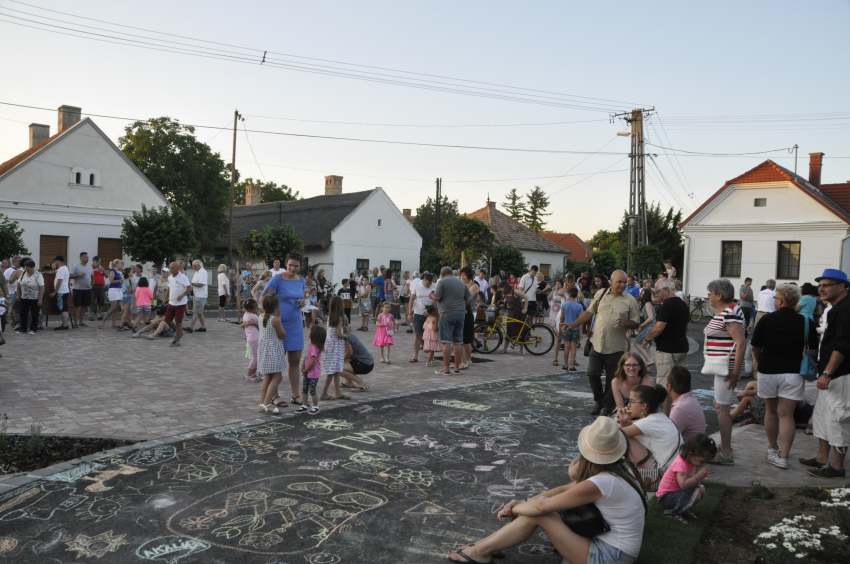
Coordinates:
<point>288,293</point>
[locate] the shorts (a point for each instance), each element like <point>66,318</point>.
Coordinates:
<point>309,386</point>
<point>451,329</point>
<point>98,294</point>
<point>114,294</point>
<point>175,313</point>
<point>603,553</point>
<point>831,418</point>
<point>664,363</point>
<point>140,309</point>
<point>405,299</point>
<point>198,305</point>
<point>360,367</point>
<point>418,324</point>
<point>62,302</point>
<point>786,386</point>
<point>365,306</point>
<point>126,298</point>
<point>82,298</point>
<point>222,301</point>
<point>723,395</point>
<point>570,335</point>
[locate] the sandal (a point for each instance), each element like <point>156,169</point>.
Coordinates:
<point>413,360</point>
<point>294,402</point>
<point>342,397</point>
<point>466,558</point>
<point>555,362</point>
<point>809,429</point>
<point>677,518</point>
<point>277,403</point>
<point>362,388</point>
<point>326,398</point>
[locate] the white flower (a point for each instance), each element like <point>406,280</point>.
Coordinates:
<point>771,546</point>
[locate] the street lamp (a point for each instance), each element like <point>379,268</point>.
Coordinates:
<point>623,133</point>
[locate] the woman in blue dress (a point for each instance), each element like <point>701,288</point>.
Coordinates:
<point>290,289</point>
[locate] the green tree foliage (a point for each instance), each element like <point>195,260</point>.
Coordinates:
<point>467,235</point>
<point>280,240</point>
<point>514,205</point>
<point>11,242</point>
<point>647,260</point>
<point>425,219</point>
<point>185,170</point>
<point>535,212</point>
<point>253,246</point>
<point>607,261</point>
<point>271,192</point>
<point>608,240</point>
<point>663,232</point>
<point>158,234</point>
<point>509,258</point>
<point>432,260</point>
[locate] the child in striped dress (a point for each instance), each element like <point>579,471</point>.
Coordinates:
<point>271,356</point>
<point>334,347</point>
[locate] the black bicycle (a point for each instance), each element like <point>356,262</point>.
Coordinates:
<point>700,309</point>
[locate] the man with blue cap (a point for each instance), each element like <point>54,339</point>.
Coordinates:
<point>831,418</point>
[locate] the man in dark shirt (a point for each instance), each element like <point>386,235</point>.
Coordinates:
<point>831,426</point>
<point>670,334</point>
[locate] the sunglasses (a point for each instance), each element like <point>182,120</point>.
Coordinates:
<point>828,285</point>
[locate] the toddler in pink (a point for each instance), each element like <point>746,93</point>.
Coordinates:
<point>144,295</point>
<point>251,324</point>
<point>680,487</point>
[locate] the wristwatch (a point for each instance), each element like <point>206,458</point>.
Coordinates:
<point>827,374</point>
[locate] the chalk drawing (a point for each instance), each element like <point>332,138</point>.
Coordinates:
<point>428,508</point>
<point>97,545</point>
<point>364,409</point>
<point>170,549</point>
<point>482,426</point>
<point>45,500</point>
<point>104,476</point>
<point>323,558</point>
<point>417,477</point>
<point>322,465</point>
<point>102,508</point>
<point>288,456</point>
<point>364,437</point>
<point>424,440</point>
<point>410,459</point>
<point>483,468</point>
<point>153,455</point>
<point>267,430</point>
<point>7,544</point>
<point>197,465</point>
<point>329,424</point>
<point>315,488</point>
<point>74,473</point>
<point>462,405</point>
<point>459,477</point>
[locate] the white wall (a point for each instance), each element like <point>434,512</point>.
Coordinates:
<point>538,258</point>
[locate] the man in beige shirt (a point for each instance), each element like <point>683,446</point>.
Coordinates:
<point>617,313</point>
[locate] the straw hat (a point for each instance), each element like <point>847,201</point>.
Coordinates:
<point>602,442</point>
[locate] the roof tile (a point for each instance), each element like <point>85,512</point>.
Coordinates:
<point>15,161</point>
<point>509,231</point>
<point>579,251</point>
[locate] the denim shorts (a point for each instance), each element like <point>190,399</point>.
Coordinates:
<point>451,329</point>
<point>418,324</point>
<point>603,553</point>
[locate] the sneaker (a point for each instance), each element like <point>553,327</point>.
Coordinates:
<point>201,330</point>
<point>149,337</point>
<point>410,330</point>
<point>136,336</point>
<point>91,318</point>
<point>447,372</point>
<point>61,328</point>
<point>597,409</point>
<point>827,471</point>
<point>777,460</point>
<point>175,343</point>
<point>723,460</point>
<point>573,369</point>
<point>772,452</point>
<point>314,411</point>
<point>302,409</point>
<point>19,332</point>
<point>32,332</point>
<point>120,329</point>
<point>564,368</point>
<point>188,330</point>
<point>811,463</point>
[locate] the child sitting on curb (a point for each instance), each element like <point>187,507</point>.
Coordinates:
<point>680,487</point>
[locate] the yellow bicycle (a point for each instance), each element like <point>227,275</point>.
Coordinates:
<point>538,339</point>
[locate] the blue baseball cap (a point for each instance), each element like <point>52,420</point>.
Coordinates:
<point>834,274</point>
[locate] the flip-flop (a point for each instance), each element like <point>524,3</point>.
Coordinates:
<point>498,554</point>
<point>466,558</point>
<point>295,402</point>
<point>361,388</point>
<point>327,398</point>
<point>342,397</point>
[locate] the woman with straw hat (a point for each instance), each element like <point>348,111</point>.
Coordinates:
<point>601,475</point>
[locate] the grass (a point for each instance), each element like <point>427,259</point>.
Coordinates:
<point>759,491</point>
<point>668,542</point>
<point>819,494</point>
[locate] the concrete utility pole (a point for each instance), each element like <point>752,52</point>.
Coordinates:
<point>236,117</point>
<point>637,187</point>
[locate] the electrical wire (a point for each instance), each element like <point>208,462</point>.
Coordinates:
<point>588,178</point>
<point>673,193</point>
<point>252,150</point>
<point>431,125</point>
<point>687,190</point>
<point>580,162</point>
<point>717,154</point>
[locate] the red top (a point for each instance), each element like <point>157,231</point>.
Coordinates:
<point>98,273</point>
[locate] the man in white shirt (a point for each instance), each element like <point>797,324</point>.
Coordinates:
<point>766,303</point>
<point>12,275</point>
<point>200,290</point>
<point>528,286</point>
<point>61,291</point>
<point>482,281</point>
<point>276,269</point>
<point>412,284</point>
<point>178,290</point>
<point>420,298</point>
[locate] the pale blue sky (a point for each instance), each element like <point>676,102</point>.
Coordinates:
<point>686,59</point>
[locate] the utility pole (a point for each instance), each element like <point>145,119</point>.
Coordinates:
<point>437,212</point>
<point>637,187</point>
<point>236,117</point>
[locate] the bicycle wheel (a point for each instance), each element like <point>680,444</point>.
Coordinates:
<point>487,337</point>
<point>696,314</point>
<point>539,339</point>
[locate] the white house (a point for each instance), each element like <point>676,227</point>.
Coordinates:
<point>768,223</point>
<point>341,232</point>
<point>71,192</point>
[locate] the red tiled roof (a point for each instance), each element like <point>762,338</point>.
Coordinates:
<point>769,171</point>
<point>509,231</point>
<point>15,161</point>
<point>839,193</point>
<point>579,251</point>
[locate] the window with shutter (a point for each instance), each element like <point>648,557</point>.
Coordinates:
<point>50,247</point>
<point>108,250</point>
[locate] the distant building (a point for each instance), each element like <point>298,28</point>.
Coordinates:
<point>71,192</point>
<point>768,223</point>
<point>536,248</point>
<point>579,251</point>
<point>341,232</point>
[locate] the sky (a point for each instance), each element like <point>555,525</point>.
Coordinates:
<point>692,62</point>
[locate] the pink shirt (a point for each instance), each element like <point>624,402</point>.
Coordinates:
<point>144,295</point>
<point>688,416</point>
<point>313,352</point>
<point>252,332</point>
<point>670,481</point>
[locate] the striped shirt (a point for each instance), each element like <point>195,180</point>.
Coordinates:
<point>718,341</point>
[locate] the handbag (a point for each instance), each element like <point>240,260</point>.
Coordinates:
<point>588,346</point>
<point>808,368</point>
<point>651,477</point>
<point>390,332</point>
<point>717,365</point>
<point>160,310</point>
<point>585,520</point>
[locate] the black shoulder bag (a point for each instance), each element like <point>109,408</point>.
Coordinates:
<point>588,346</point>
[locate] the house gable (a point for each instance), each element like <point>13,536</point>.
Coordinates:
<point>361,225</point>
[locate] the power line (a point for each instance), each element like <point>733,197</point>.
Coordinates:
<point>431,125</point>
<point>687,190</point>
<point>589,177</point>
<point>718,154</point>
<point>667,183</point>
<point>252,150</point>
<point>580,162</point>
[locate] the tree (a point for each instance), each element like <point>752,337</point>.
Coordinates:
<point>158,234</point>
<point>425,219</point>
<point>536,209</point>
<point>514,205</point>
<point>280,240</point>
<point>647,259</point>
<point>432,260</point>
<point>253,246</point>
<point>663,232</point>
<point>11,242</point>
<point>508,258</point>
<point>467,236</point>
<point>271,192</point>
<point>607,261</point>
<point>185,170</point>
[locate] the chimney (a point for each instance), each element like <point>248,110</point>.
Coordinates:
<point>406,212</point>
<point>38,133</point>
<point>68,116</point>
<point>333,185</point>
<point>491,205</point>
<point>815,165</point>
<point>253,195</point>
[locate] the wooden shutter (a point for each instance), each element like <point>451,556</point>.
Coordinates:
<point>108,250</point>
<point>50,247</point>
